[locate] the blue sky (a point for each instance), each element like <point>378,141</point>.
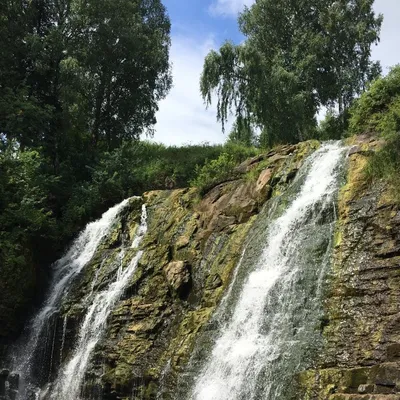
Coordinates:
<point>199,18</point>
<point>201,25</point>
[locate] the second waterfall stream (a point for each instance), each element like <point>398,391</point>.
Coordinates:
<point>267,321</point>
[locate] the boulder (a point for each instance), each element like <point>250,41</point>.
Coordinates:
<point>264,180</point>
<point>178,277</point>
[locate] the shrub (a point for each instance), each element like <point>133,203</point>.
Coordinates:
<point>221,169</point>
<point>214,172</point>
<point>385,165</point>
<point>378,109</point>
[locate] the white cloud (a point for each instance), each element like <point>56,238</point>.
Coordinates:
<point>182,117</point>
<point>229,8</point>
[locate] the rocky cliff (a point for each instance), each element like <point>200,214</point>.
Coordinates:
<point>361,357</point>
<point>189,255</point>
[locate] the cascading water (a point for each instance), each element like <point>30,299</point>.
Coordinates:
<point>65,271</point>
<point>274,310</point>
<point>68,383</point>
<point>28,359</point>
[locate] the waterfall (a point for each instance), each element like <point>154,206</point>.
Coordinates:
<point>42,329</point>
<point>273,322</point>
<point>68,383</point>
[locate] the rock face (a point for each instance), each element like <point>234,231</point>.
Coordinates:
<point>178,276</point>
<point>9,383</point>
<point>361,358</point>
<point>189,253</point>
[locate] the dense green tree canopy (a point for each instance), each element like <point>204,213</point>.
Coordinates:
<point>299,55</point>
<point>78,70</point>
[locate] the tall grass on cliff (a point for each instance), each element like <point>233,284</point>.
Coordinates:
<point>385,165</point>
<point>377,112</point>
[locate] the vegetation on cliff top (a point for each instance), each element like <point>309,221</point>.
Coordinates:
<point>377,111</point>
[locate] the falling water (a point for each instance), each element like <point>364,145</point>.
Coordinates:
<point>65,271</point>
<point>68,383</point>
<point>274,309</point>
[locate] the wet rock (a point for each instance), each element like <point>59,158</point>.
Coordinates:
<point>215,283</point>
<point>12,394</point>
<point>393,352</point>
<point>3,379</point>
<point>291,175</point>
<point>363,389</point>
<point>275,180</point>
<point>178,276</point>
<point>362,351</point>
<point>13,380</point>
<point>182,242</point>
<point>189,253</point>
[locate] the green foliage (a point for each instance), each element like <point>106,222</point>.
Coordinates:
<point>242,132</point>
<point>73,70</point>
<point>298,56</point>
<point>214,172</point>
<point>28,234</point>
<point>385,165</point>
<point>333,127</point>
<point>130,170</point>
<point>220,170</point>
<point>378,109</point>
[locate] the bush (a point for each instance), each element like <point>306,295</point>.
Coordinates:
<point>132,169</point>
<point>385,165</point>
<point>221,169</point>
<point>28,233</point>
<point>333,127</point>
<point>378,109</point>
<point>214,172</point>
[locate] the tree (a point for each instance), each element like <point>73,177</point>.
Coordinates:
<point>77,78</point>
<point>242,132</point>
<point>299,55</point>
<point>123,51</point>
<point>76,71</point>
